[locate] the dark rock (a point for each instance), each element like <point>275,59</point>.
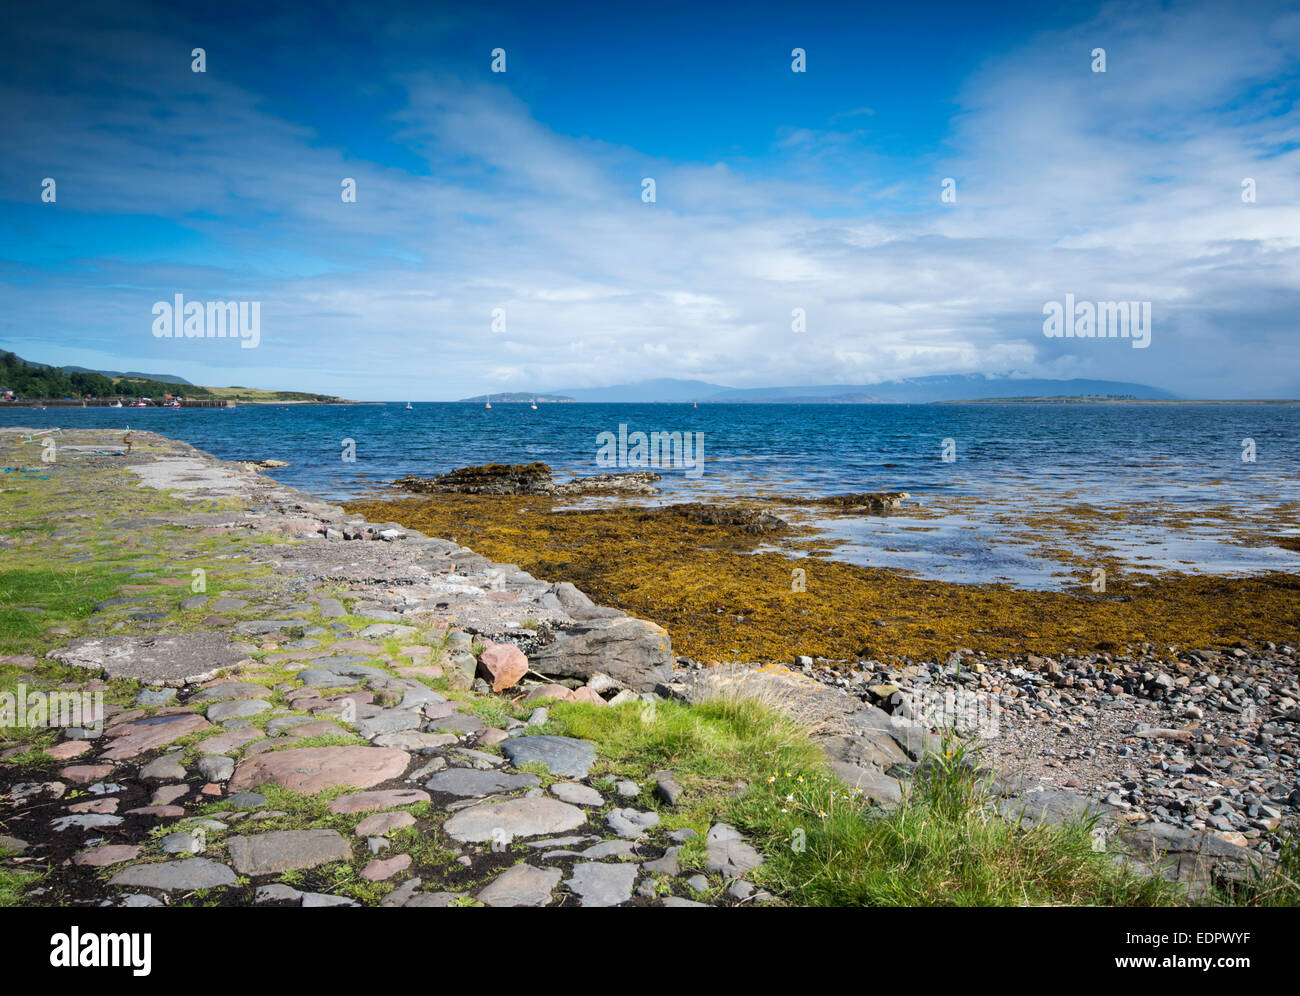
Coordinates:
<point>635,653</point>
<point>563,756</point>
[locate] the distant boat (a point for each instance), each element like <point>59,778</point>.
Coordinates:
<point>116,404</point>
<point>489,402</point>
<point>534,404</point>
<point>408,406</point>
<point>695,404</point>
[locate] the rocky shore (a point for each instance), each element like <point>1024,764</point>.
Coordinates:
<point>528,479</point>
<point>1201,743</point>
<point>303,707</point>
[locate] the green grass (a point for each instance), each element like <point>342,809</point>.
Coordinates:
<point>64,597</point>
<point>13,884</point>
<point>825,846</point>
<point>1278,885</point>
<point>944,845</point>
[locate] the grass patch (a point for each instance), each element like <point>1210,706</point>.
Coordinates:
<point>824,845</point>
<point>14,883</point>
<point>63,597</point>
<point>1277,885</point>
<point>944,845</point>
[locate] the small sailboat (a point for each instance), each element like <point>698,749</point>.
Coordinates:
<point>534,404</point>
<point>695,404</point>
<point>408,406</point>
<point>489,402</point>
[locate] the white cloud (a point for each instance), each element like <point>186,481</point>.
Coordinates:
<point>1122,185</point>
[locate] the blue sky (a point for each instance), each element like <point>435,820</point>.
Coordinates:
<point>521,191</point>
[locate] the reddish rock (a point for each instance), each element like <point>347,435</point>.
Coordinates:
<point>160,812</point>
<point>135,738</point>
<point>224,743</point>
<point>585,694</point>
<point>502,597</point>
<point>382,823</point>
<point>270,744</point>
<point>212,788</point>
<point>69,749</point>
<point>421,671</point>
<point>313,769</point>
<point>323,705</point>
<point>503,664</point>
<point>165,795</point>
<point>356,647</point>
<point>492,736</point>
<point>109,854</point>
<point>84,774</point>
<point>385,868</point>
<point>95,806</point>
<point>19,661</point>
<point>362,802</point>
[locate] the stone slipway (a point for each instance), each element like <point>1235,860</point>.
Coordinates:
<point>404,577</point>
<point>332,630</point>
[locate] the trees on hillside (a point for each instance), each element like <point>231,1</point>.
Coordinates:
<point>27,380</point>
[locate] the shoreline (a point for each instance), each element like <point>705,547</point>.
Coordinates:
<point>310,608</point>
<point>1077,702</point>
<point>730,592</point>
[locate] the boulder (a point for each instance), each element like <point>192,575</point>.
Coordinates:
<point>633,652</point>
<point>503,665</point>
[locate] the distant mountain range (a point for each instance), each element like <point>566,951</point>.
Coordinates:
<point>518,397</point>
<point>916,390</point>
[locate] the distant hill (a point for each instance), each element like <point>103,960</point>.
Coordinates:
<point>28,380</point>
<point>518,397</point>
<point>113,374</point>
<point>663,389</point>
<point>917,390</point>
